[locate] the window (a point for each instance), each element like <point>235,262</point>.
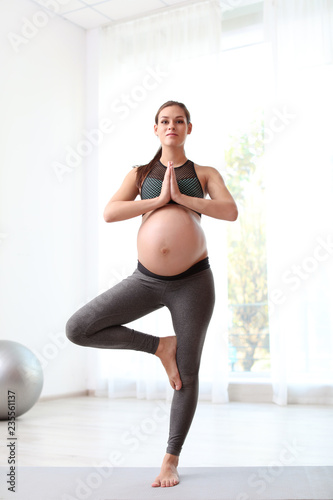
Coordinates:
<point>247,263</point>
<point>244,64</point>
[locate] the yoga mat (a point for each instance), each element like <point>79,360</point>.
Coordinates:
<point>197,483</point>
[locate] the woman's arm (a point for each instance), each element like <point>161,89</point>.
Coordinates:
<point>221,204</point>
<point>123,204</point>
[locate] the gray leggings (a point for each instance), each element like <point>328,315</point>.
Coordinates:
<point>190,301</point>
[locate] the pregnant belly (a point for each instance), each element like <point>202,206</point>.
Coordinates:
<point>170,240</point>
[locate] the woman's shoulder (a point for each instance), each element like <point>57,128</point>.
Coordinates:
<point>205,170</point>
<point>130,177</point>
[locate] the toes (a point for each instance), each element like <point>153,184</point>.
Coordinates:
<point>167,483</point>
<point>156,483</point>
<point>178,384</point>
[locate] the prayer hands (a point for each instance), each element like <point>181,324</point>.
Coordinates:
<point>174,189</point>
<point>170,189</point>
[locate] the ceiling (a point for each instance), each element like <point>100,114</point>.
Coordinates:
<point>89,14</point>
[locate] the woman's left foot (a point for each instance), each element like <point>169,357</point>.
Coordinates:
<point>169,474</point>
<point>166,351</point>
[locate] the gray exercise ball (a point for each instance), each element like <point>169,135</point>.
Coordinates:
<point>21,378</point>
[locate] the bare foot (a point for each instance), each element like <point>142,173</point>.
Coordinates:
<point>166,351</point>
<point>168,475</point>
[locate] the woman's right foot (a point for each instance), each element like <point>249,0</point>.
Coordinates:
<point>169,475</point>
<point>166,351</point>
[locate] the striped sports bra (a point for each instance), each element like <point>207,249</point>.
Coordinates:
<point>186,177</point>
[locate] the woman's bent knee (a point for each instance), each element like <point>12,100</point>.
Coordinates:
<point>74,331</point>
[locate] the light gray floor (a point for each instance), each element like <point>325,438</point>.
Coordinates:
<point>84,432</point>
<point>234,483</point>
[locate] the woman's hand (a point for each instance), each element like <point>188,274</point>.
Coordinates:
<point>165,195</point>
<point>170,189</point>
<point>174,189</point>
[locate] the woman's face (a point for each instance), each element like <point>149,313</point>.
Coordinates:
<point>172,128</point>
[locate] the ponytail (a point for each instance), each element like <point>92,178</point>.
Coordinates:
<point>144,170</point>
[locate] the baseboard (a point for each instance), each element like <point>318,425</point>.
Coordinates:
<point>250,392</point>
<point>53,397</point>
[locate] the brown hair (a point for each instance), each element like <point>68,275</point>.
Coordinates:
<point>144,170</point>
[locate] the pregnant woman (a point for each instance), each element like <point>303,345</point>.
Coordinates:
<point>173,270</point>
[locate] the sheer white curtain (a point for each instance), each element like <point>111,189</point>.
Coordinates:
<point>143,64</point>
<point>299,170</point>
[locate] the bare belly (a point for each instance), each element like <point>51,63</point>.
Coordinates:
<point>170,240</point>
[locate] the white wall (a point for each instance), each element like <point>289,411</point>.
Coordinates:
<point>42,228</point>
